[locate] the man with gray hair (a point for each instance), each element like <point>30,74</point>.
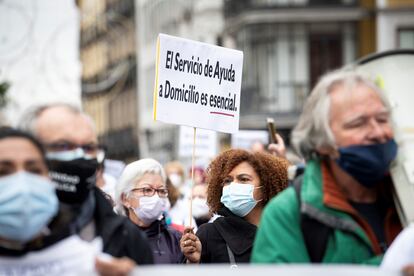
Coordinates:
<point>341,209</point>
<point>72,152</point>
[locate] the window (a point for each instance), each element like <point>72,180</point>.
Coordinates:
<point>275,70</point>
<point>405,37</point>
<point>283,61</point>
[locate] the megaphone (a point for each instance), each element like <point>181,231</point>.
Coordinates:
<point>394,73</point>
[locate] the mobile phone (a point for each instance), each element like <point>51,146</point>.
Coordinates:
<point>272,130</point>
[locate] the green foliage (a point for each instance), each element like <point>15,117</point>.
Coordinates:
<point>4,86</point>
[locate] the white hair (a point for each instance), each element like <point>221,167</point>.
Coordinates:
<point>132,173</point>
<point>313,129</point>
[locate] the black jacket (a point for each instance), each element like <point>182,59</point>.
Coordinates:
<point>229,230</point>
<point>121,238</point>
<point>165,243</point>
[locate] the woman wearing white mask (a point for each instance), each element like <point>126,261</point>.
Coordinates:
<point>142,196</point>
<point>175,172</point>
<point>201,211</point>
<point>240,185</point>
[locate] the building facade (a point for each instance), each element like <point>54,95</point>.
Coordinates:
<point>288,45</point>
<point>108,55</point>
<point>198,20</point>
<point>395,21</point>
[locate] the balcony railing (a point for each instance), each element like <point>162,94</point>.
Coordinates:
<point>287,97</point>
<point>235,7</point>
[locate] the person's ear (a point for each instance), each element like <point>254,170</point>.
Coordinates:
<point>125,201</point>
<point>328,151</point>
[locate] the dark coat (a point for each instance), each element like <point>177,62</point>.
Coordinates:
<point>165,243</point>
<point>229,230</point>
<point>121,238</point>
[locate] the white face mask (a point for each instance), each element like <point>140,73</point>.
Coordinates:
<point>200,208</point>
<point>176,179</point>
<point>150,208</point>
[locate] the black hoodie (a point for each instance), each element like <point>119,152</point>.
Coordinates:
<point>229,230</point>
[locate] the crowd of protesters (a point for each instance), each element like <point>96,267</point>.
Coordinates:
<point>246,207</point>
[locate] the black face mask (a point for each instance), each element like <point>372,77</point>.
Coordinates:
<point>368,164</point>
<point>200,221</point>
<point>75,178</point>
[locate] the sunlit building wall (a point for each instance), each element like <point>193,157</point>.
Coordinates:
<point>395,24</point>
<point>109,86</point>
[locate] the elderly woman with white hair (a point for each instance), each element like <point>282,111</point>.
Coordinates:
<point>142,196</point>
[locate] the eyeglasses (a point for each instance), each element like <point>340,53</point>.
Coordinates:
<point>91,148</point>
<point>147,191</point>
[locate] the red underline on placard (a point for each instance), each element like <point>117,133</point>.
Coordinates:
<point>221,113</point>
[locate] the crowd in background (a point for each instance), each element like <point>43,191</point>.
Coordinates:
<point>247,205</point>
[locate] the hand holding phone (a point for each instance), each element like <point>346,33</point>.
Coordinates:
<point>272,130</point>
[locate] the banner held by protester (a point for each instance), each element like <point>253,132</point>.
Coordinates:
<point>197,84</point>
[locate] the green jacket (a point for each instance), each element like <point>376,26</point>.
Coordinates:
<point>279,238</point>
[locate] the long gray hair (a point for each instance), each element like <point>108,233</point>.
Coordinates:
<point>313,131</point>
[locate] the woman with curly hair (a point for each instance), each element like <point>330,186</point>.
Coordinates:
<point>240,184</point>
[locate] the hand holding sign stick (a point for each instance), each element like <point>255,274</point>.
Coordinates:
<point>192,178</point>
<point>197,85</point>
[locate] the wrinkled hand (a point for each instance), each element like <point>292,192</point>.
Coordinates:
<point>190,245</point>
<point>114,267</point>
<point>278,149</point>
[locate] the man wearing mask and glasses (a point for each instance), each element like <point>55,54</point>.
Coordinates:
<point>73,153</point>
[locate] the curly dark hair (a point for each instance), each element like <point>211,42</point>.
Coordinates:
<point>272,172</point>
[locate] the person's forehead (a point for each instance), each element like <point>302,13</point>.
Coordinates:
<point>257,146</point>
<point>150,178</point>
<point>57,124</point>
<point>242,168</point>
<point>174,170</point>
<point>18,150</point>
<point>361,98</point>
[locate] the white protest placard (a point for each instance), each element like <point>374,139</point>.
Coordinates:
<point>197,84</point>
<point>245,138</point>
<point>206,145</point>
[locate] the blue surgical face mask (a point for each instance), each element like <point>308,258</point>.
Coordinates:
<point>238,198</point>
<point>368,164</point>
<point>27,204</point>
